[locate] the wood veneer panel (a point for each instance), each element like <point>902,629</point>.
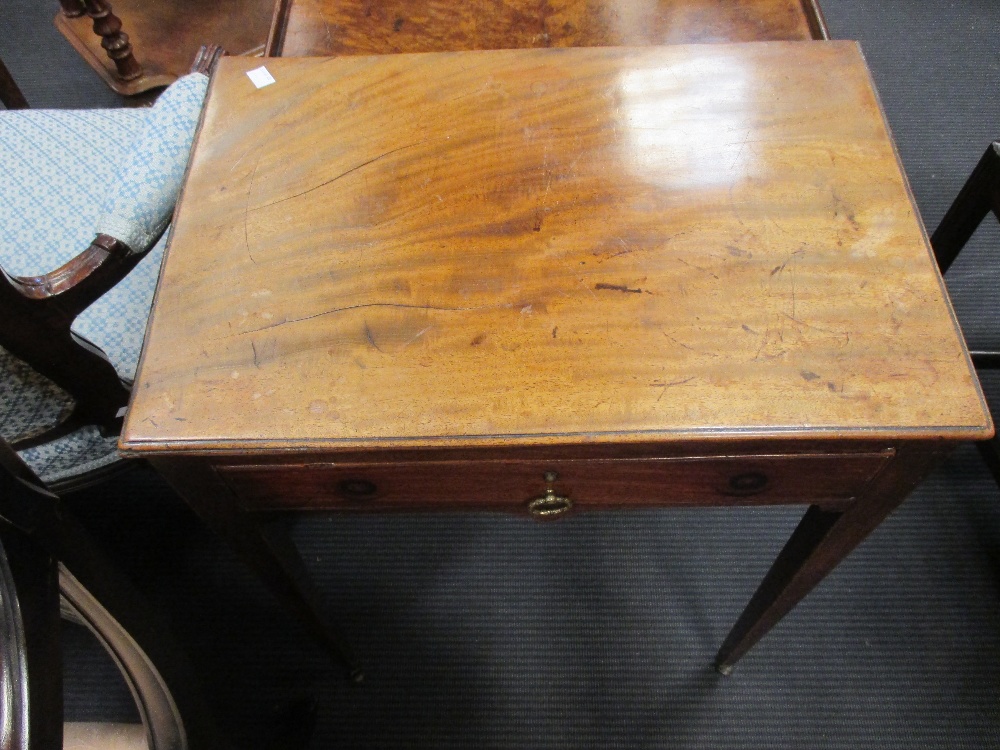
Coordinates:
<point>361,27</point>
<point>543,246</point>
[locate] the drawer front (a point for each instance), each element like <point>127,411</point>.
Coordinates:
<point>825,479</point>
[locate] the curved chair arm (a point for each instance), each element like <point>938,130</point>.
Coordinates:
<point>82,280</point>
<point>44,307</point>
<point>98,594</point>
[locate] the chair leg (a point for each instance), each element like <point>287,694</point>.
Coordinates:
<point>71,8</point>
<point>978,196</point>
<point>164,725</point>
<point>10,94</point>
<point>990,451</point>
<point>156,668</point>
<point>30,647</point>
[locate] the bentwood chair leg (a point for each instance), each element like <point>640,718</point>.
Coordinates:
<point>164,725</point>
<point>30,647</point>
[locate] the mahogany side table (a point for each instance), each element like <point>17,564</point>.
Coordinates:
<point>552,281</point>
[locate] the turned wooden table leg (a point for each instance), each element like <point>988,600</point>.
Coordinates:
<point>821,540</point>
<point>114,41</point>
<point>72,8</point>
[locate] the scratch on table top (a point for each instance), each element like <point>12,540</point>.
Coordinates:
<point>342,174</point>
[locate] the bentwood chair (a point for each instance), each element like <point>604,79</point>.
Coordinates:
<point>85,199</point>
<point>978,197</point>
<point>49,565</point>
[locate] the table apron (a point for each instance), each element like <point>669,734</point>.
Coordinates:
<point>831,480</point>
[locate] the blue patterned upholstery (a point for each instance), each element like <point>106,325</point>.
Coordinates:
<point>66,176</point>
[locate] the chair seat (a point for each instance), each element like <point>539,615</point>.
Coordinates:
<point>73,455</point>
<point>116,322</point>
<point>31,404</point>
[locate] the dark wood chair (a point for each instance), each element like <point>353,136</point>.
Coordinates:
<point>360,27</point>
<point>79,258</point>
<point>978,197</point>
<point>70,338</point>
<point>49,566</point>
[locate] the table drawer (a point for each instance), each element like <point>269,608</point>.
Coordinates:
<point>829,479</point>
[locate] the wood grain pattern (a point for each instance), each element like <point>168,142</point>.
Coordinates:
<point>363,27</point>
<point>520,247</point>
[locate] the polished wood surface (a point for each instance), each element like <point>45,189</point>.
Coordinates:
<point>541,247</point>
<point>163,36</point>
<point>363,27</point>
<point>544,281</point>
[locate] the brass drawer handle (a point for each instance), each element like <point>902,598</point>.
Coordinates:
<point>549,505</point>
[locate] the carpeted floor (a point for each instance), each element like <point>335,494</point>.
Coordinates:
<point>481,630</point>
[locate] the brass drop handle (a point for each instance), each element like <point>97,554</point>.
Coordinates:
<point>550,504</point>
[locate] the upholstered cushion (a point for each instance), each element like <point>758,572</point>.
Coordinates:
<point>139,204</point>
<point>65,176</point>
<point>116,322</point>
<point>55,165</point>
<point>75,454</point>
<point>29,405</point>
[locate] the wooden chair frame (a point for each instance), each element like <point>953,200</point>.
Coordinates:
<point>36,313</point>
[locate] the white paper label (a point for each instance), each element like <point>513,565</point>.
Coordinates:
<point>261,77</point>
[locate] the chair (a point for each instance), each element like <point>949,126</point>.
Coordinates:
<point>979,196</point>
<point>86,197</point>
<point>48,565</point>
<point>104,182</point>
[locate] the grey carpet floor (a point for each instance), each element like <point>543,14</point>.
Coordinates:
<point>481,630</point>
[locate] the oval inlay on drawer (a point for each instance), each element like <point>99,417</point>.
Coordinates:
<point>825,478</point>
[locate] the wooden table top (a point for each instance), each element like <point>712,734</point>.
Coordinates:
<point>549,246</point>
<point>361,27</point>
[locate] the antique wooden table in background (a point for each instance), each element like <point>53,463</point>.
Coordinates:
<point>304,28</point>
<point>547,281</point>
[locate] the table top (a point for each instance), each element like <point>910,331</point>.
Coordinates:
<point>360,27</point>
<point>530,247</point>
